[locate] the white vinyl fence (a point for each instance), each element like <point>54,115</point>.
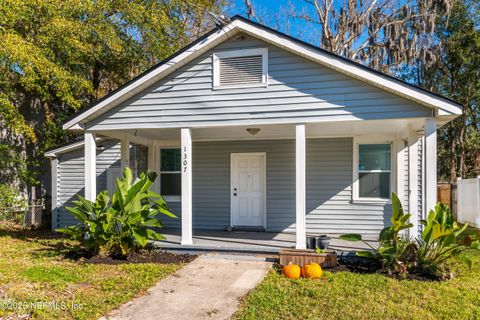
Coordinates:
<point>468,201</point>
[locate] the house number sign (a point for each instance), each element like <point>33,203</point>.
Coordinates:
<point>185,159</point>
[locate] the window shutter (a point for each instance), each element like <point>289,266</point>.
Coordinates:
<point>241,70</point>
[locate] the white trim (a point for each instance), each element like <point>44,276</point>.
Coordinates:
<point>170,198</point>
<point>124,152</point>
<point>300,186</point>
<point>413,181</point>
<point>459,199</point>
<point>264,156</point>
<point>90,166</point>
<point>329,60</point>
<point>72,146</point>
<point>216,56</point>
<point>54,168</point>
<point>399,164</point>
<point>186,138</point>
<point>357,140</point>
<point>156,167</point>
<point>430,164</point>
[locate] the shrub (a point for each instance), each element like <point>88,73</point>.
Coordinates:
<point>441,239</point>
<point>124,225</point>
<point>391,245</point>
<point>427,256</point>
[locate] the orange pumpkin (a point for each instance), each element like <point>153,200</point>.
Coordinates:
<point>312,271</point>
<point>291,271</point>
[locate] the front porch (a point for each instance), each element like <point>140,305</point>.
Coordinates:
<point>308,181</point>
<point>249,242</point>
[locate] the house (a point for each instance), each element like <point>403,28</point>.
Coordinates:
<point>251,128</point>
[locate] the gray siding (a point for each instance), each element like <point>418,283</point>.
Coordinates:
<point>298,90</point>
<point>329,187</point>
<point>71,180</point>
<point>211,183</point>
<point>329,191</point>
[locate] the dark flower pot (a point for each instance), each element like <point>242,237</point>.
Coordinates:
<point>311,242</point>
<point>323,242</point>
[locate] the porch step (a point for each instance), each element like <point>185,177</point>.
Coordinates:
<point>194,249</point>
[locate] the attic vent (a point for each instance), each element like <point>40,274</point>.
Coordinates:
<point>240,68</point>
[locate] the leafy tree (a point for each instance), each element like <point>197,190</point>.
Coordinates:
<point>382,34</point>
<point>57,56</point>
<point>456,75</point>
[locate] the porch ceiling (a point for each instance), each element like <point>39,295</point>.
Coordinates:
<point>397,127</point>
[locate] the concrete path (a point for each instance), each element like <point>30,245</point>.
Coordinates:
<point>210,287</point>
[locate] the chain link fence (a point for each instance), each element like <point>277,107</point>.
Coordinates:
<point>34,215</point>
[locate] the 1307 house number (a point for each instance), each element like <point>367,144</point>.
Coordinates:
<point>185,162</point>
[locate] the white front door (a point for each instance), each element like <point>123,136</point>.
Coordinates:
<point>248,189</point>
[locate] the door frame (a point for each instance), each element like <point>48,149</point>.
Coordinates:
<point>264,156</point>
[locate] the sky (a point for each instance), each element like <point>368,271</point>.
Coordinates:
<point>273,9</point>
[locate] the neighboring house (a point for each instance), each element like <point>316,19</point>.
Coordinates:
<point>248,127</point>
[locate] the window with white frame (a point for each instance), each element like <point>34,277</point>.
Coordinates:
<point>374,171</point>
<point>170,174</point>
<point>240,68</point>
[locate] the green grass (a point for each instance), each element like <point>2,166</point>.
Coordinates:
<point>347,295</point>
<point>33,270</point>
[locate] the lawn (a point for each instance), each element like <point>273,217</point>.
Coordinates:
<point>37,280</point>
<point>347,295</point>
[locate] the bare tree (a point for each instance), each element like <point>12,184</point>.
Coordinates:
<point>379,33</point>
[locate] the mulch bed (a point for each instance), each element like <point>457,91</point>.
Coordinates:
<point>144,256</point>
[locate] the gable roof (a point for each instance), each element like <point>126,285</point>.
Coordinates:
<point>239,24</point>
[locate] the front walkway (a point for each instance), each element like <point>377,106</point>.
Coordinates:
<point>210,287</point>
<point>248,241</point>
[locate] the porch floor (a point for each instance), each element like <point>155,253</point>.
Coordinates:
<point>249,241</point>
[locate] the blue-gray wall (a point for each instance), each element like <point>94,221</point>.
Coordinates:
<point>71,178</point>
<point>329,187</point>
<point>298,90</point>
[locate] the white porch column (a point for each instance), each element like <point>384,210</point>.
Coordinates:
<point>399,168</point>
<point>413,161</point>
<point>151,164</point>
<point>430,164</point>
<point>124,153</point>
<point>186,138</point>
<point>90,167</point>
<point>300,186</point>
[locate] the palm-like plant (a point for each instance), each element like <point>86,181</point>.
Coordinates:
<point>441,240</point>
<point>125,224</point>
<point>391,248</point>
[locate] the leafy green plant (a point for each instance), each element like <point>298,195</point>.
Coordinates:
<point>391,245</point>
<point>440,240</point>
<point>124,225</point>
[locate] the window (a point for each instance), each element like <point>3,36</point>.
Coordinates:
<point>170,174</point>
<point>240,68</point>
<point>374,171</point>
